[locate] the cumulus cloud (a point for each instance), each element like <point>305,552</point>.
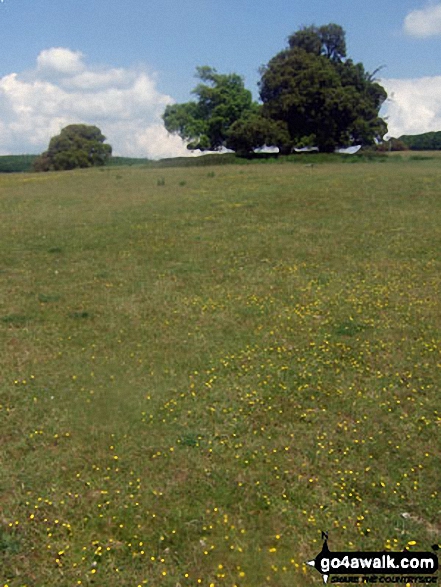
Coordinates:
<point>413,105</point>
<point>60,60</point>
<point>425,22</point>
<point>62,89</point>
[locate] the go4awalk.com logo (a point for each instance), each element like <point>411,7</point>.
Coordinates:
<point>412,567</point>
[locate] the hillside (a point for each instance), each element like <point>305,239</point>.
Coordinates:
<point>209,366</point>
<point>16,163</point>
<point>429,141</point>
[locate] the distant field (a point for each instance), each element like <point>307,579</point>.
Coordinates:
<point>205,367</point>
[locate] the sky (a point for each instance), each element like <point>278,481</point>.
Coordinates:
<point>118,63</point>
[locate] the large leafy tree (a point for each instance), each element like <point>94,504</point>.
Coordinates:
<point>77,145</point>
<point>205,123</point>
<point>324,99</point>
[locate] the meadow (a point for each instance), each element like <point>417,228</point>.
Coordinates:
<point>204,368</point>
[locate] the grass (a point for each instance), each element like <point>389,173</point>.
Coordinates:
<point>205,371</point>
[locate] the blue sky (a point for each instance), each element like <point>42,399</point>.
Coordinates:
<point>119,63</point>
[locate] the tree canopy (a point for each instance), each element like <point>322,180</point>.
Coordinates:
<point>221,101</point>
<point>254,131</point>
<point>323,98</point>
<point>312,95</point>
<point>328,40</point>
<point>77,145</point>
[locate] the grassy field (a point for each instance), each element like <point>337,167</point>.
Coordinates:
<point>204,368</point>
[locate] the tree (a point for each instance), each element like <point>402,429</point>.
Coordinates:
<point>254,131</point>
<point>324,99</point>
<point>221,101</point>
<point>77,145</point>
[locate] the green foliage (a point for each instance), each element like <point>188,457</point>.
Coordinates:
<point>429,141</point>
<point>323,99</point>
<point>255,131</point>
<point>9,544</point>
<point>127,161</point>
<point>16,163</point>
<point>328,40</point>
<point>77,145</point>
<point>221,101</point>
<point>312,96</point>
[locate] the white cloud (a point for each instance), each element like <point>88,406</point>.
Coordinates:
<point>156,139</point>
<point>425,22</point>
<point>92,80</point>
<point>413,105</point>
<point>62,89</point>
<point>60,60</point>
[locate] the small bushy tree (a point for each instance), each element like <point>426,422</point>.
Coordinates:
<point>77,145</point>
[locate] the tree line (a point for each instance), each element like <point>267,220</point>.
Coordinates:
<point>312,95</point>
<point>429,141</point>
